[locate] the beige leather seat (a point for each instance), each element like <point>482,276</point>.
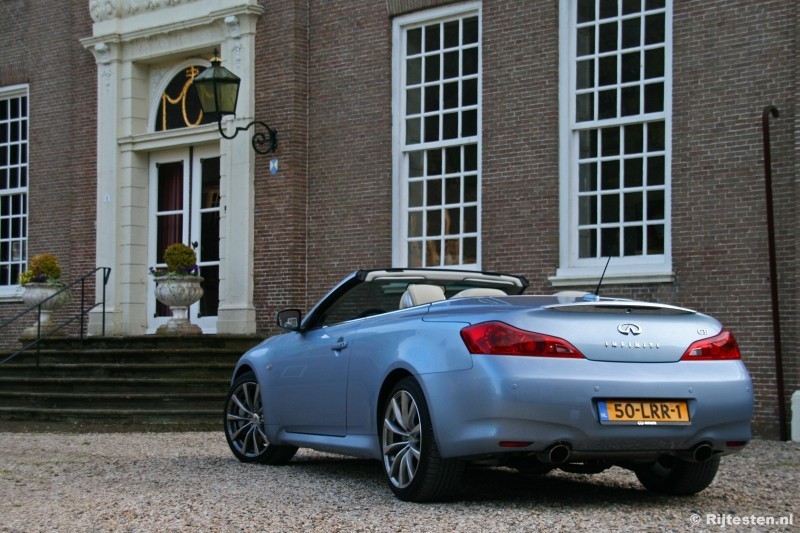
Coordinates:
<point>477,292</point>
<point>420,294</point>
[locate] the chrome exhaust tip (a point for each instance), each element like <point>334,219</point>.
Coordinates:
<point>555,454</point>
<point>702,453</point>
<point>699,454</point>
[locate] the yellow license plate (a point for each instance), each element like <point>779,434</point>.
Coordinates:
<point>643,412</point>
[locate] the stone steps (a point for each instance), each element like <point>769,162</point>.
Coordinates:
<point>150,383</point>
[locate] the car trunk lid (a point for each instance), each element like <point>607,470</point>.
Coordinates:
<point>625,331</point>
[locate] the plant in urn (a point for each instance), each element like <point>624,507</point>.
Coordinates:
<point>41,283</point>
<point>178,287</point>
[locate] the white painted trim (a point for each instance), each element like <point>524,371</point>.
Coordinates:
<point>398,198</point>
<point>399,190</point>
<point>13,292</point>
<point>14,91</point>
<point>435,14</point>
<point>165,140</point>
<point>565,52</point>
<point>191,208</point>
<point>632,269</point>
<point>138,50</point>
<point>207,323</point>
<point>618,275</point>
<point>171,156</point>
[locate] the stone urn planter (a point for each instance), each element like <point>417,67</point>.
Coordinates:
<point>179,292</point>
<point>35,293</point>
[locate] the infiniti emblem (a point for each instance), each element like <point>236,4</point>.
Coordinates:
<point>629,329</point>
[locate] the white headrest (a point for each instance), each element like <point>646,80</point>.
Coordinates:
<point>419,294</point>
<point>566,297</point>
<point>478,292</point>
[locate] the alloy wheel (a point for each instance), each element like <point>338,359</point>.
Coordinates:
<point>402,439</point>
<point>243,421</point>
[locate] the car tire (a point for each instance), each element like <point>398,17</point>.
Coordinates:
<point>415,470</point>
<point>677,477</point>
<point>244,425</point>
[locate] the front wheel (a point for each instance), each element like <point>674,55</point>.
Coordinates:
<point>415,470</point>
<point>677,477</point>
<point>244,425</point>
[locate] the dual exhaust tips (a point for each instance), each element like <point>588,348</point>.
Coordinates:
<point>560,453</point>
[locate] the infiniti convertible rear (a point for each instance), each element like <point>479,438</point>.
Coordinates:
<point>432,370</point>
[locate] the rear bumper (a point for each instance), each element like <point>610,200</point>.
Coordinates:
<point>548,401</point>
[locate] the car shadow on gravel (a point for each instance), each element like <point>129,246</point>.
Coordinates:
<point>482,484</point>
<point>558,488</point>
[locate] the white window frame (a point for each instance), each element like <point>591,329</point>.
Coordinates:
<point>400,158</point>
<point>631,269</point>
<point>12,291</point>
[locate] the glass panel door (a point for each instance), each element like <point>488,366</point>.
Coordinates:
<point>170,214</point>
<point>205,239</point>
<point>185,207</point>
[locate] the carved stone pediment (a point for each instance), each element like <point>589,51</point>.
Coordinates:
<point>102,10</point>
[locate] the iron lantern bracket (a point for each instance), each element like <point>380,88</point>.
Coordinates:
<point>264,140</point>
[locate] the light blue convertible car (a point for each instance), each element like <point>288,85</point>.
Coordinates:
<point>430,371</point>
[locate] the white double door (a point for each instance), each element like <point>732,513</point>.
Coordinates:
<point>185,207</point>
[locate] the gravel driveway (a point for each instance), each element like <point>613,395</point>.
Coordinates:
<point>190,481</point>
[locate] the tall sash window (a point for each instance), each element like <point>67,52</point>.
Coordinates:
<point>616,136</point>
<point>437,94</point>
<point>13,186</point>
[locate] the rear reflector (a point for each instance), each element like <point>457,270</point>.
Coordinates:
<point>498,338</point>
<point>513,444</point>
<point>722,347</point>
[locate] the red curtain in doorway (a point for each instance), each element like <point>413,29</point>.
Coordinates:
<point>170,206</point>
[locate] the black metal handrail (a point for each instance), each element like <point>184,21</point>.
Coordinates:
<point>78,316</point>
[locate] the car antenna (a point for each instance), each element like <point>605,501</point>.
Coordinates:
<point>596,296</point>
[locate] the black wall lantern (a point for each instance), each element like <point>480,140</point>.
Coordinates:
<point>218,91</point>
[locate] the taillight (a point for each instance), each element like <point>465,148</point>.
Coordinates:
<point>498,338</point>
<point>721,347</point>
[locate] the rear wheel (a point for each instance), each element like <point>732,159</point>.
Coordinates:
<point>677,477</point>
<point>415,470</point>
<point>244,425</point>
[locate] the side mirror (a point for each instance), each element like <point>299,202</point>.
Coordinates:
<point>289,319</point>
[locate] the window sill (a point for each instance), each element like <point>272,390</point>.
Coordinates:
<point>571,277</point>
<point>11,295</point>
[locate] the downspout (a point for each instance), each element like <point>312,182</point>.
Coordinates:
<point>773,270</point>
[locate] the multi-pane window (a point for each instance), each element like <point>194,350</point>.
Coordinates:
<point>620,129</point>
<point>13,184</point>
<point>438,108</point>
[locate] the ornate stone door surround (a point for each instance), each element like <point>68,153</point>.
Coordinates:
<point>138,46</point>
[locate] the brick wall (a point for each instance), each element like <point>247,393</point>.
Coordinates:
<point>42,48</point>
<point>350,165</point>
<point>730,59</point>
<point>520,140</point>
<point>324,82</point>
<point>280,202</point>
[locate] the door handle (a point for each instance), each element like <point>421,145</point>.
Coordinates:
<point>341,344</point>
